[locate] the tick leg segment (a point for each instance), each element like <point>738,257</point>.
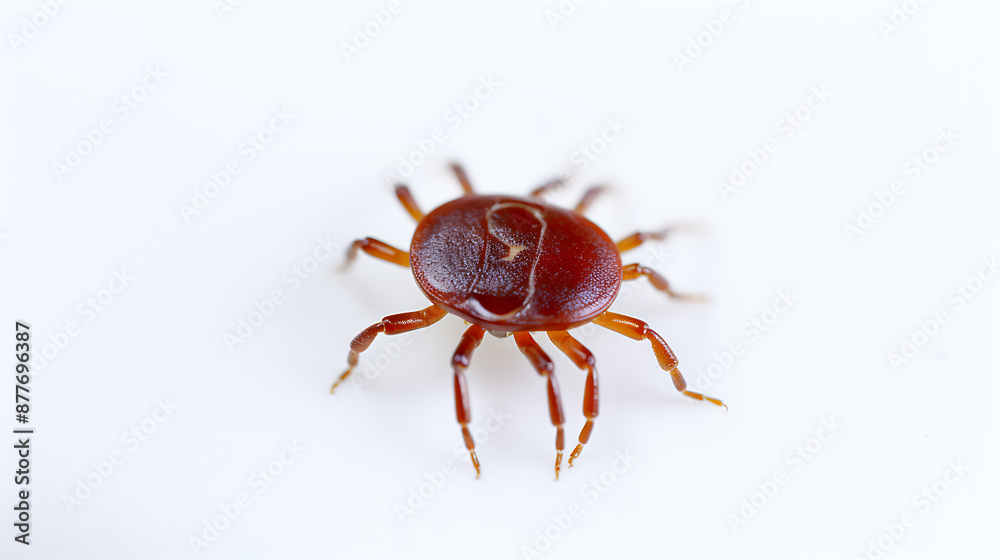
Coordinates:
<point>543,365</point>
<point>379,250</point>
<point>463,178</point>
<point>404,196</point>
<point>636,239</point>
<point>636,270</point>
<point>583,359</point>
<point>543,190</point>
<point>638,330</point>
<point>470,341</point>
<point>588,198</point>
<point>393,324</point>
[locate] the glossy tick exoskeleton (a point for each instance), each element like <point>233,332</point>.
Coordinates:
<point>511,265</point>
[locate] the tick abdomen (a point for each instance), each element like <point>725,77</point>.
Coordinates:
<point>513,264</point>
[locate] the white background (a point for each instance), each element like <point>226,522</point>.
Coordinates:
<point>63,236</point>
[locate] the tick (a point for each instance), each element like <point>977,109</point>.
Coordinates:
<point>515,266</point>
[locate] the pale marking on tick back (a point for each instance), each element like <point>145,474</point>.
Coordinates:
<point>512,251</point>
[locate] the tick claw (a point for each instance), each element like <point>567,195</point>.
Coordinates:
<point>342,377</point>
<point>475,462</point>
<point>575,454</point>
<point>558,463</point>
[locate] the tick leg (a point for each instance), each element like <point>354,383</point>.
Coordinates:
<point>638,330</point>
<point>543,190</point>
<point>543,365</point>
<point>636,239</point>
<point>588,198</point>
<point>404,196</point>
<point>636,270</point>
<point>470,341</point>
<point>463,178</point>
<point>393,324</point>
<point>379,250</point>
<point>583,359</point>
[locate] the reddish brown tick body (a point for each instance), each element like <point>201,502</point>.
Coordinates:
<point>511,265</point>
